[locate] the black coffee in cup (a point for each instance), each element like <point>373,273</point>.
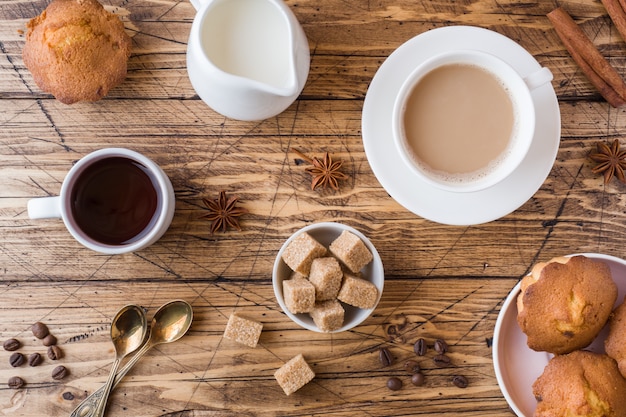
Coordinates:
<point>114,200</point>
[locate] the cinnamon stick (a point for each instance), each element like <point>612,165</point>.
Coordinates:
<point>615,9</point>
<point>597,69</point>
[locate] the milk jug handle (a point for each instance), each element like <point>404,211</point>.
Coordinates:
<point>538,78</point>
<point>44,208</point>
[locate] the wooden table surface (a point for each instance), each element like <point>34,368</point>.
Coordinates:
<point>442,281</point>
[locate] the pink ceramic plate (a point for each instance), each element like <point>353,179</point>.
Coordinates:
<point>517,367</point>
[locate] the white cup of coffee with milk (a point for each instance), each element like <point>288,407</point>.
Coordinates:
<point>464,120</point>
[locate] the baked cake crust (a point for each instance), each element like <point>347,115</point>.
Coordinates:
<point>615,342</point>
<point>76,50</point>
<point>564,303</point>
<point>580,383</point>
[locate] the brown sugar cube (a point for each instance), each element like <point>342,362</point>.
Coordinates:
<point>297,275</point>
<point>299,295</point>
<point>294,374</point>
<point>243,330</point>
<point>357,292</point>
<point>301,251</point>
<point>328,315</point>
<point>326,277</point>
<point>351,251</point>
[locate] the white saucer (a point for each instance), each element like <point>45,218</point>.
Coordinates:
<point>516,365</point>
<point>424,199</point>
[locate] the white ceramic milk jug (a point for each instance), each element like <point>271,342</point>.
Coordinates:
<point>247,59</point>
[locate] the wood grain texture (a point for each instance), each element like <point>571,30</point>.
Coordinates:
<point>441,281</point>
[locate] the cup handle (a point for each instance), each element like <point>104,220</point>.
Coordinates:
<point>44,208</point>
<point>538,78</point>
<point>197,4</point>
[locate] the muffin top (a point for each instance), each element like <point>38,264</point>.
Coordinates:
<point>564,303</point>
<point>580,383</point>
<point>76,50</point>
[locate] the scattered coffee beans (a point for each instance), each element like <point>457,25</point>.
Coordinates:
<point>411,367</point>
<point>16,382</point>
<point>420,347</point>
<point>34,359</point>
<point>11,345</point>
<point>40,330</point>
<point>385,356</point>
<point>417,379</point>
<point>59,372</point>
<point>55,352</point>
<point>441,346</point>
<point>16,359</point>
<point>394,383</point>
<point>460,381</point>
<point>49,340</point>
<point>441,360</point>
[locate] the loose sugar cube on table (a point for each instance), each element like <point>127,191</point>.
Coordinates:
<point>351,251</point>
<point>326,276</point>
<point>294,374</point>
<point>243,330</point>
<point>357,292</point>
<point>328,315</point>
<point>299,294</point>
<point>301,251</point>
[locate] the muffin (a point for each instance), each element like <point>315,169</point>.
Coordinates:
<point>76,50</point>
<point>580,383</point>
<point>564,303</point>
<point>615,342</point>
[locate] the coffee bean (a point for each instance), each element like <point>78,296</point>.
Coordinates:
<point>16,382</point>
<point>385,356</point>
<point>49,340</point>
<point>441,360</point>
<point>460,381</point>
<point>411,366</point>
<point>11,345</point>
<point>441,346</point>
<point>16,359</point>
<point>417,379</point>
<point>420,347</point>
<point>59,372</point>
<point>55,352</point>
<point>34,359</point>
<point>40,330</point>
<point>394,383</point>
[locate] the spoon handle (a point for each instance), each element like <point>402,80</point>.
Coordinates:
<point>102,402</point>
<point>88,407</point>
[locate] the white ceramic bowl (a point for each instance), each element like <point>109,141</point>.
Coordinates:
<point>516,365</point>
<point>325,233</point>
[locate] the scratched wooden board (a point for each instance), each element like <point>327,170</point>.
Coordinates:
<point>204,371</point>
<point>441,281</point>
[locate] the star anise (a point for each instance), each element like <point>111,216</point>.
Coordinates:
<point>611,161</point>
<point>324,172</point>
<point>223,212</point>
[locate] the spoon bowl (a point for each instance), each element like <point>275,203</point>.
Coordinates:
<point>170,322</point>
<point>128,330</point>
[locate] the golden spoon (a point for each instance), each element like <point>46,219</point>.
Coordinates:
<point>128,331</point>
<point>170,322</point>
